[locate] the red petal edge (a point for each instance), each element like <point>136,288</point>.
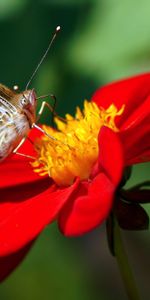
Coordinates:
<point>10,262</point>
<point>130,91</point>
<point>22,221</point>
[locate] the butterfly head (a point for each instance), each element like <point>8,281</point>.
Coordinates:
<point>27,105</point>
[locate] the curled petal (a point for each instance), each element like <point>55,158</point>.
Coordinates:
<point>110,154</point>
<point>88,206</point>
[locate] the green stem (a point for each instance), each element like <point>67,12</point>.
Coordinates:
<point>123,263</point>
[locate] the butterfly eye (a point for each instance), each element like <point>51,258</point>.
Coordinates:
<point>24,101</point>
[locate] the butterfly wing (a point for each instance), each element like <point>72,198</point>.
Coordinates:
<point>6,92</point>
<point>8,133</point>
<point>14,123</point>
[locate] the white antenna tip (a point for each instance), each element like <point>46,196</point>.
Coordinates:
<point>58,28</point>
<point>15,87</point>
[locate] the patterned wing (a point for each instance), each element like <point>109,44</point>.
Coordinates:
<point>8,133</point>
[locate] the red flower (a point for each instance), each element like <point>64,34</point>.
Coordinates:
<point>30,202</point>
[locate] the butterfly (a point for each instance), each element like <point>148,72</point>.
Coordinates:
<point>18,113</point>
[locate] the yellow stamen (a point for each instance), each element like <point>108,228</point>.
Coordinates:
<point>75,150</point>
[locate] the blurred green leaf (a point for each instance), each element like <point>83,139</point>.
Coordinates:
<point>11,7</point>
<point>115,41</point>
<point>64,2</point>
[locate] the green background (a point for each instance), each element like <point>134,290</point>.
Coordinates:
<point>100,41</point>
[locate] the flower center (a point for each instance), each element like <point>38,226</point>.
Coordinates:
<point>75,150</point>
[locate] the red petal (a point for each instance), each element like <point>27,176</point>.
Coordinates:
<point>136,143</point>
<point>135,133</point>
<point>131,92</point>
<point>88,207</point>
<point>28,147</point>
<point>22,220</point>
<point>10,262</point>
<point>139,116</point>
<point>141,158</point>
<point>110,154</point>
<point>17,169</point>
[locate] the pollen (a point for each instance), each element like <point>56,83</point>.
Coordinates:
<point>74,151</point>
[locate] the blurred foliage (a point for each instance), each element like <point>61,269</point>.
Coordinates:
<point>100,41</point>
<point>9,8</point>
<point>115,41</point>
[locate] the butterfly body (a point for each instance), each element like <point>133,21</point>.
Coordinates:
<point>17,114</point>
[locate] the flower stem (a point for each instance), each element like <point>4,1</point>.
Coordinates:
<point>123,263</point>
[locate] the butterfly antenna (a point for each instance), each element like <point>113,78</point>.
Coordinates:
<point>44,55</point>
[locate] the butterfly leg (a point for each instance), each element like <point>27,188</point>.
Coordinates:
<point>50,107</point>
<point>34,125</point>
<point>19,145</point>
<point>15,151</point>
<point>43,105</point>
<point>25,155</point>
